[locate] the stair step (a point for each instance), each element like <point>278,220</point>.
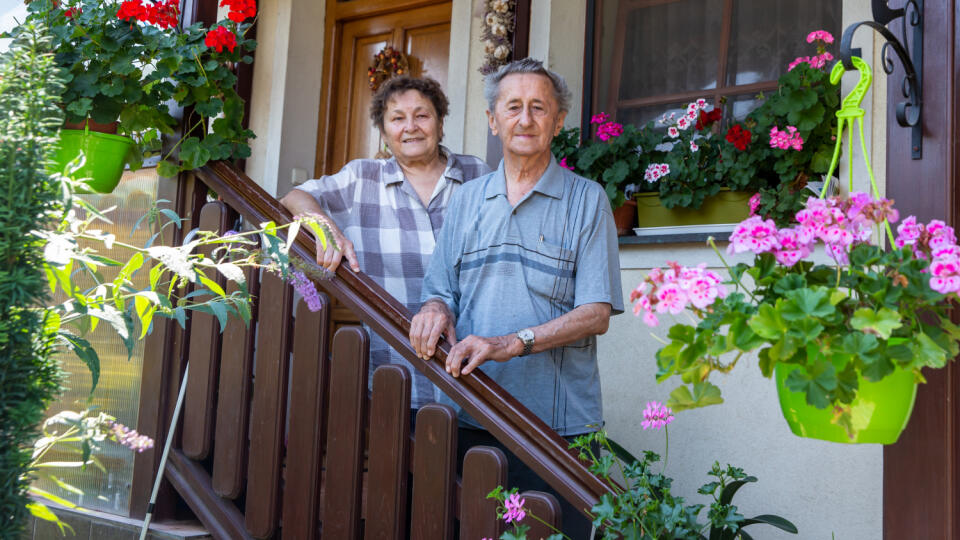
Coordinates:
<point>93,525</point>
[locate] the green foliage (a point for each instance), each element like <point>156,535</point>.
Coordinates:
<point>805,98</point>
<point>834,324</point>
<point>30,87</point>
<point>118,71</point>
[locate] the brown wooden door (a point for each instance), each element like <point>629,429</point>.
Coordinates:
<point>422,33</point>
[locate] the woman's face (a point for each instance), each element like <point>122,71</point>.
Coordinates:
<point>411,128</point>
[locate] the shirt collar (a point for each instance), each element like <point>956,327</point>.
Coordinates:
<point>549,184</point>
<point>393,174</point>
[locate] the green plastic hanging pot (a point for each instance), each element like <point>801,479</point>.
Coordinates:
<point>105,157</point>
<point>880,411</point>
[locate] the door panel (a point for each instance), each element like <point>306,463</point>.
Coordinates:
<point>424,36</point>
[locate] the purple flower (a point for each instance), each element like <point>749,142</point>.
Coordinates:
<point>130,438</point>
<point>514,506</point>
<point>303,285</point>
<point>656,415</point>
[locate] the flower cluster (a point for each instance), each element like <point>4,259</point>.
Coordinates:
<point>606,129</point>
<point>219,38</point>
<point>656,416</point>
<point>240,10</point>
<point>304,285</point>
<point>656,171</point>
<point>739,137</point>
<point>938,242</point>
<point>674,289</point>
<point>514,508</point>
<point>840,223</point>
<point>162,13</point>
<point>496,32</point>
<point>822,37</point>
<point>786,139</point>
<point>129,437</point>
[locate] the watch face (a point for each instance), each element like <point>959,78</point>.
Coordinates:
<point>525,335</point>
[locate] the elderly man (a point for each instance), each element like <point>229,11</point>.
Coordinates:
<point>526,271</point>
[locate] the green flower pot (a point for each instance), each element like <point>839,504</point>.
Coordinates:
<point>105,157</point>
<point>880,411</point>
<point>724,207</point>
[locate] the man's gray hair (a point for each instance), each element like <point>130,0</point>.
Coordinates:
<point>491,85</point>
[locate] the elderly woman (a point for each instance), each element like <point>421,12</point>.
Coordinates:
<point>386,213</point>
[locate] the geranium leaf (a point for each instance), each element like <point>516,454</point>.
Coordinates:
<point>881,323</point>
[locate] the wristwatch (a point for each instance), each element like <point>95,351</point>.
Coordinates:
<point>526,336</point>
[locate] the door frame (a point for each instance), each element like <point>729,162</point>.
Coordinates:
<point>337,14</point>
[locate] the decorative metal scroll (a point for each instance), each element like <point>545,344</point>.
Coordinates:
<point>910,53</point>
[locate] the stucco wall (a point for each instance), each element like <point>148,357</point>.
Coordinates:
<point>824,488</point>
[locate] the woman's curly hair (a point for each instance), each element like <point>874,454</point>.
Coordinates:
<point>398,85</point>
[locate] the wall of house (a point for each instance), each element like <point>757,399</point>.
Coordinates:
<point>824,488</point>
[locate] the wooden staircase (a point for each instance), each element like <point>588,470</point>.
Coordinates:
<point>280,437</point>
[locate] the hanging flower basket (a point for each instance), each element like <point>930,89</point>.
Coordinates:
<point>879,413</point>
<point>105,156</point>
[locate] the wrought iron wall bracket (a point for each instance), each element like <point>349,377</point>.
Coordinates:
<point>910,53</point>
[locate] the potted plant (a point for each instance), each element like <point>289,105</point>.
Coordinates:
<point>686,171</point>
<point>128,67</point>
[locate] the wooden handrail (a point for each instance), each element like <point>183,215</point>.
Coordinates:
<point>507,419</point>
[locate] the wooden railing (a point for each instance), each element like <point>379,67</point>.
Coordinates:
<point>279,434</point>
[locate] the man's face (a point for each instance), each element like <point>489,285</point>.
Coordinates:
<point>527,116</point>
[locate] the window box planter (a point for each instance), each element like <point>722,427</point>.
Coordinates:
<point>726,209</point>
<point>880,411</point>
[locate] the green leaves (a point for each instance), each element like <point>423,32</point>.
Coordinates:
<point>882,323</point>
<point>702,395</point>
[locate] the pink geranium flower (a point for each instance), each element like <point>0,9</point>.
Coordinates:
<point>754,234</point>
<point>656,416</point>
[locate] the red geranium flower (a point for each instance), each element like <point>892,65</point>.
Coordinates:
<point>220,37</point>
<point>240,10</point>
<point>739,137</point>
<point>72,12</point>
<point>163,14</point>
<point>705,119</point>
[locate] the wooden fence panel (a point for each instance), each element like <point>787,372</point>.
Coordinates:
<point>233,406</point>
<point>545,507</point>
<point>205,354</point>
<point>268,410</point>
<point>309,372</point>
<point>387,471</point>
<point>484,468</point>
<point>344,469</point>
<point>434,467</point>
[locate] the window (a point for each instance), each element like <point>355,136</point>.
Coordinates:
<point>654,56</point>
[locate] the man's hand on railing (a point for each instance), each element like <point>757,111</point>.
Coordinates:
<point>426,327</point>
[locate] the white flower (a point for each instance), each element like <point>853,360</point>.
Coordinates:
<point>175,259</point>
<point>489,47</point>
<point>693,146</point>
<point>491,19</point>
<point>501,52</point>
<point>500,6</point>
<point>499,30</point>
<point>683,122</point>
<point>673,132</point>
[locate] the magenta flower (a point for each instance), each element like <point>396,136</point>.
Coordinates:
<point>754,234</point>
<point>754,204</point>
<point>908,232</point>
<point>820,35</point>
<point>563,163</point>
<point>941,235</point>
<point>656,416</point>
<point>945,275</point>
<point>609,130</point>
<point>787,139</point>
<point>599,118</point>
<point>514,508</point>
<point>793,247</point>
